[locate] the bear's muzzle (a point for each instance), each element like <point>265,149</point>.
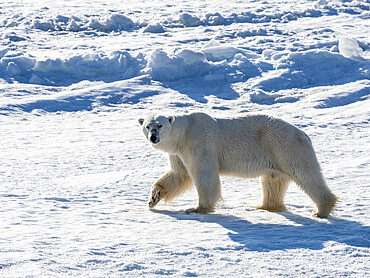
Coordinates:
<point>154,139</point>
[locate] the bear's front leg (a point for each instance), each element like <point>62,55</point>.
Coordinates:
<point>207,182</point>
<point>159,189</point>
<point>172,184</point>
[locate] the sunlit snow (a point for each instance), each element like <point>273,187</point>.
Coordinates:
<point>76,170</point>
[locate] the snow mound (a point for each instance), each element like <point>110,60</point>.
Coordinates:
<point>349,48</point>
<point>96,66</point>
<point>189,20</point>
<point>215,19</point>
<point>44,25</point>
<point>231,63</point>
<point>240,68</point>
<point>215,51</point>
<point>74,26</point>
<point>114,22</point>
<point>116,65</point>
<point>108,23</point>
<point>16,64</point>
<point>260,96</point>
<point>320,3</point>
<point>312,68</point>
<point>221,52</point>
<point>186,63</point>
<point>154,28</point>
<point>211,63</point>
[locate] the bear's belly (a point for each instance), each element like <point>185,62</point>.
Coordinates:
<point>244,169</point>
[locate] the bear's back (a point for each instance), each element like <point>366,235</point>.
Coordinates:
<point>250,143</point>
<point>258,125</point>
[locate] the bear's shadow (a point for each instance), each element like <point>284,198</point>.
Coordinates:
<point>308,233</point>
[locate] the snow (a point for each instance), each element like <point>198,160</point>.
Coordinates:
<point>183,64</point>
<point>189,20</point>
<point>115,22</point>
<point>154,28</point>
<point>76,170</point>
<point>349,48</point>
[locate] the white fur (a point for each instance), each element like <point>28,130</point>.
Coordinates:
<point>202,148</point>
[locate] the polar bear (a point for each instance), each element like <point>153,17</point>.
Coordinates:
<point>201,148</point>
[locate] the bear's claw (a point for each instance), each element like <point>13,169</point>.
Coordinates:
<point>320,215</point>
<point>199,210</point>
<point>155,198</point>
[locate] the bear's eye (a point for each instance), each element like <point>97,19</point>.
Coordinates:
<point>147,127</point>
<point>159,126</point>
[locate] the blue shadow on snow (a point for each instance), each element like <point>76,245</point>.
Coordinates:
<point>309,234</point>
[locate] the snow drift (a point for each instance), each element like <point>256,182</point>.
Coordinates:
<point>96,66</point>
<point>312,68</point>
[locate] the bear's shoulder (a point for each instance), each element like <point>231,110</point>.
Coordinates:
<point>198,120</point>
<point>200,116</point>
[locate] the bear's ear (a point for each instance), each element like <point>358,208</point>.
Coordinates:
<point>141,121</point>
<point>171,119</point>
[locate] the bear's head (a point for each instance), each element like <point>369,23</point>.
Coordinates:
<point>157,129</point>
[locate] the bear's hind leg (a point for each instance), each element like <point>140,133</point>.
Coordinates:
<point>305,171</point>
<point>274,186</point>
<point>315,187</point>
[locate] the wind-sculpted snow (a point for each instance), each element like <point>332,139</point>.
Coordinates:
<point>214,62</point>
<point>313,68</point>
<point>111,21</point>
<point>185,63</point>
<point>263,59</point>
<point>96,66</point>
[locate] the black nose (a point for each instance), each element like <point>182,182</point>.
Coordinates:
<point>154,139</point>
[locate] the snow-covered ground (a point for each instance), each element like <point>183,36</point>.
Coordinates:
<point>76,170</point>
